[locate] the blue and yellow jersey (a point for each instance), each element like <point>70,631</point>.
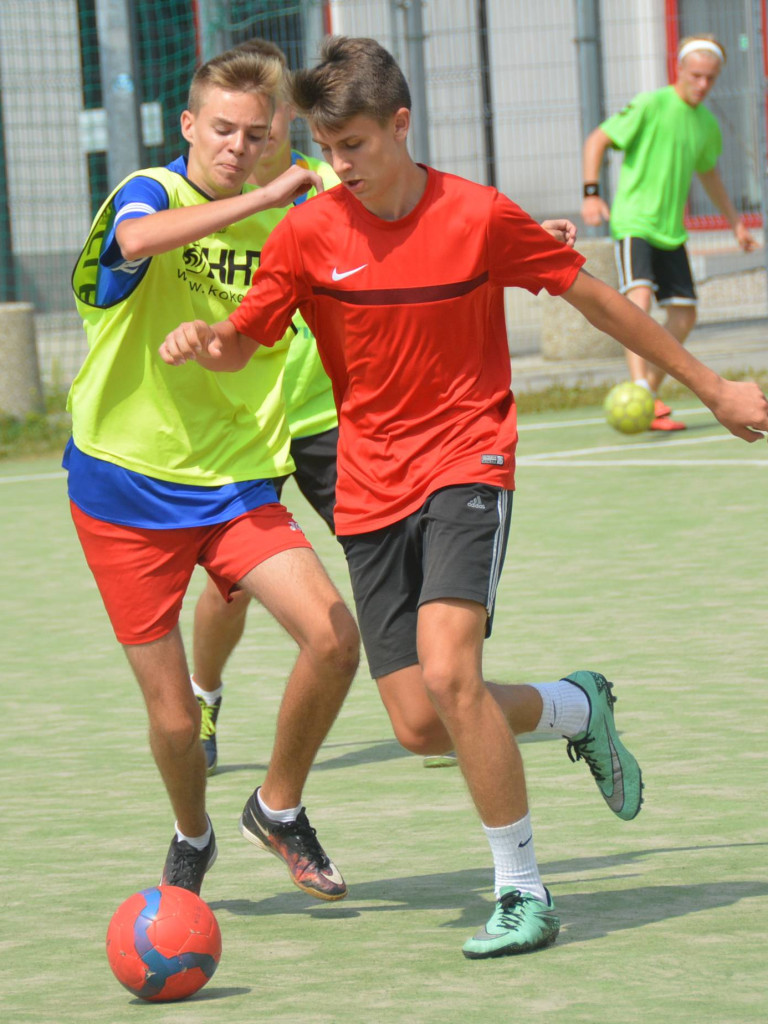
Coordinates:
<point>184,425</point>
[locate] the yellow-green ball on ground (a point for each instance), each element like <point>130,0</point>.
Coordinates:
<point>629,407</point>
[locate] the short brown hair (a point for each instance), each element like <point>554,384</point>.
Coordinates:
<point>238,70</point>
<point>354,76</point>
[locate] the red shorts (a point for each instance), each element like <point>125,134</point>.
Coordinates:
<point>143,575</point>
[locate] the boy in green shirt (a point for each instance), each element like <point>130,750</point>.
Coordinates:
<point>667,136</point>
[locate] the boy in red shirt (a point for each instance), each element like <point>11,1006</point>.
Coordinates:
<point>400,275</point>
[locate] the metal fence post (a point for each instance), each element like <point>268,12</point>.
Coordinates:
<point>116,27</point>
<point>591,90</point>
<point>489,135</point>
<point>757,51</point>
<point>414,38</point>
<point>7,269</point>
<point>215,33</point>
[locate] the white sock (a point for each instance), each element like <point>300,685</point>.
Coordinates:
<point>643,383</point>
<point>565,710</point>
<point>289,814</point>
<point>197,842</point>
<point>514,859</point>
<point>209,696</point>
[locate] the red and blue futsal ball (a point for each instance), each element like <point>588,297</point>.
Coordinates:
<point>163,943</point>
<point>629,408</point>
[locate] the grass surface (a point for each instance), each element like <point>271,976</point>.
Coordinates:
<point>641,557</point>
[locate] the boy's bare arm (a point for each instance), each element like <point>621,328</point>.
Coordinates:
<point>216,346</point>
<point>139,237</point>
<point>594,209</point>
<point>717,192</point>
<point>740,406</point>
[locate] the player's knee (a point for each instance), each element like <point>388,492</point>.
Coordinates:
<point>337,645</point>
<point>421,735</point>
<point>442,681</point>
<point>238,603</point>
<point>212,602</point>
<point>176,734</point>
<point>681,320</point>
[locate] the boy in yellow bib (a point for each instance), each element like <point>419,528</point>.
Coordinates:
<point>167,471</point>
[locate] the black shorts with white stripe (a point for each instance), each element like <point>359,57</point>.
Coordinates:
<point>666,271</point>
<point>451,547</point>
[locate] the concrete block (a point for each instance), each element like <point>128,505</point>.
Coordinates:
<point>565,334</point>
<point>20,389</point>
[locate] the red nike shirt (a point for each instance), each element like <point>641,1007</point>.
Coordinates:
<point>409,321</point>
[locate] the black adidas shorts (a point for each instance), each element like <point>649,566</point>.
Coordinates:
<point>452,547</point>
<point>666,271</point>
<point>315,459</point>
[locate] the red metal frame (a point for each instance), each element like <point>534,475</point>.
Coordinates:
<point>672,23</point>
<point>327,18</point>
<point>198,32</point>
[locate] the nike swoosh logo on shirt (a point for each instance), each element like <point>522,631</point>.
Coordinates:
<point>340,275</point>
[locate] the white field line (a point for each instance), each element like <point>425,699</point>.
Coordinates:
<point>624,448</point>
<point>581,463</point>
<point>561,458</point>
<point>31,477</point>
<point>600,420</point>
<point>576,456</point>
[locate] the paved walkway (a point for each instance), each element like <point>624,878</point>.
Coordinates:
<point>728,348</point>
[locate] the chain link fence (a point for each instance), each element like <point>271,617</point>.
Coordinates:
<point>497,94</point>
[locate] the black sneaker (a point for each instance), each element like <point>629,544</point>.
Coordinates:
<point>185,866</point>
<point>209,714</point>
<point>296,843</point>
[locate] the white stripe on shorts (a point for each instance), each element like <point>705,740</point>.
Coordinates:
<point>498,550</point>
<point>622,252</point>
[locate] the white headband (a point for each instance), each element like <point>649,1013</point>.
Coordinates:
<point>701,44</point>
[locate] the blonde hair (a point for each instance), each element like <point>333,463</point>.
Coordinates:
<point>238,70</point>
<point>710,44</point>
<point>264,47</point>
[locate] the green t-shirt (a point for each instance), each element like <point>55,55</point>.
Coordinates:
<point>665,142</point>
<point>307,391</point>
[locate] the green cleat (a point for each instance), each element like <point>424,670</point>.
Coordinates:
<point>441,760</point>
<point>613,768</point>
<point>210,712</point>
<point>520,923</point>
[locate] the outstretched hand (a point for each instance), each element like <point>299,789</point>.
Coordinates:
<point>290,185</point>
<point>747,241</point>
<point>742,408</point>
<point>189,341</point>
<point>594,211</point>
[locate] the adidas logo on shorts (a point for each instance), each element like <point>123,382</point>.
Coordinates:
<point>477,502</point>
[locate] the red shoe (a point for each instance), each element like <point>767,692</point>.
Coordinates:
<point>659,409</point>
<point>665,423</point>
